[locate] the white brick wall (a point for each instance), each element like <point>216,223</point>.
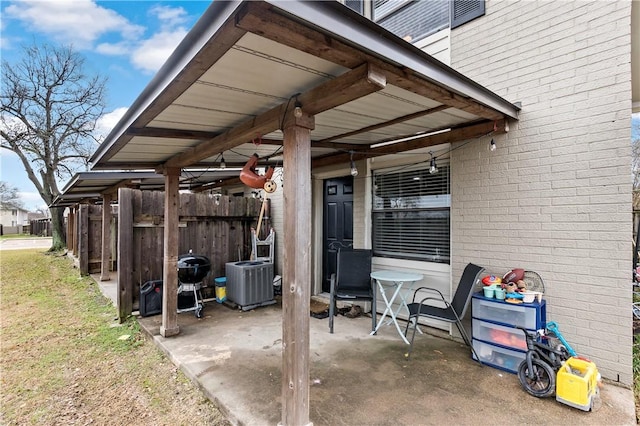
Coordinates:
<point>556,195</point>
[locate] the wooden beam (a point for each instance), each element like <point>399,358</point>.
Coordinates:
<point>455,135</point>
<point>385,124</point>
<point>105,256</point>
<point>349,86</point>
<point>113,189</point>
<point>169,325</point>
<point>325,143</point>
<point>297,270</point>
<point>158,132</point>
<point>264,22</point>
<point>259,20</point>
<point>340,146</point>
<point>218,184</point>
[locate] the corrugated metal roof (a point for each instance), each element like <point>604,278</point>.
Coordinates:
<point>245,64</point>
<point>88,187</point>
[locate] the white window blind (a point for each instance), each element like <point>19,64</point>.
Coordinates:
<point>411,214</point>
<point>357,5</point>
<point>412,20</point>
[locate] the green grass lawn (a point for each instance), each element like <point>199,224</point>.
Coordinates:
<point>65,359</point>
<point>18,236</point>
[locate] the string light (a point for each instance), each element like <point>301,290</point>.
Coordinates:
<point>492,145</point>
<point>433,168</point>
<point>223,165</point>
<point>354,169</point>
<point>297,111</point>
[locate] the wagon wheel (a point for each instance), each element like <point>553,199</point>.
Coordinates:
<point>534,281</point>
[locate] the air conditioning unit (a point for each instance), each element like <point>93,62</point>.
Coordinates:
<point>250,283</point>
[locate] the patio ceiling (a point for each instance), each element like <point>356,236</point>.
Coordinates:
<point>227,86</point>
<point>89,187</point>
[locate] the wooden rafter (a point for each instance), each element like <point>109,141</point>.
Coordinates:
<point>273,26</point>
<point>351,85</point>
<point>385,124</point>
<point>455,135</point>
<point>168,133</point>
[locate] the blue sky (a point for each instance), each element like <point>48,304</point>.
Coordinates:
<point>127,41</point>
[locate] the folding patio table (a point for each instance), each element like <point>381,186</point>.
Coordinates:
<point>388,280</point>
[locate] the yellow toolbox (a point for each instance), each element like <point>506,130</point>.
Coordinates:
<point>577,383</point>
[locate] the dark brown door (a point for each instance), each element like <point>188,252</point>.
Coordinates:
<point>338,223</point>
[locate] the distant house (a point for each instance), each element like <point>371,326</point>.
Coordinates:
<point>14,217</point>
<point>36,216</point>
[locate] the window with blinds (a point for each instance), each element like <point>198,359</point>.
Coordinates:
<point>411,214</point>
<point>411,20</point>
<point>357,5</point>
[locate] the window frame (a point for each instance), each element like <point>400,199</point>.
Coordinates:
<point>440,251</point>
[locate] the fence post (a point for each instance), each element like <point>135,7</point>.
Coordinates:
<point>125,253</point>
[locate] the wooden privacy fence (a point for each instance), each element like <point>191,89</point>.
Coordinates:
<point>219,228</point>
<point>41,227</point>
<point>84,237</point>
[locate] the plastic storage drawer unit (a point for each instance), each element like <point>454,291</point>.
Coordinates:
<point>499,335</point>
<point>250,284</point>
<point>528,315</point>
<point>499,357</point>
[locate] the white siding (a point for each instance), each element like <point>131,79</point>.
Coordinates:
<point>437,45</point>
<point>556,195</point>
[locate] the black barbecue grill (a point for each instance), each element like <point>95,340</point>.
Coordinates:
<point>192,270</point>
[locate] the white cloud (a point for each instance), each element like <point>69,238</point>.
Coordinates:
<point>31,200</point>
<point>170,17</point>
<point>108,121</point>
<point>152,53</point>
<point>114,49</point>
<point>76,22</point>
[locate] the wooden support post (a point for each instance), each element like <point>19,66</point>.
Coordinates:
<point>106,237</point>
<point>296,289</point>
<point>83,242</point>
<point>70,229</point>
<point>170,268</point>
<point>74,249</point>
<point>125,253</point>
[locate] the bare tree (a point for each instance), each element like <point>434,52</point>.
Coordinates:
<point>9,197</point>
<point>48,115</point>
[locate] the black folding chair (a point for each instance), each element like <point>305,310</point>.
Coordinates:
<point>352,281</point>
<point>451,312</point>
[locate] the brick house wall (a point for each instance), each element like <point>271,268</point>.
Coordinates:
<point>555,197</point>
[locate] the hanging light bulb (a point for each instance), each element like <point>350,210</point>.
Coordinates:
<point>223,165</point>
<point>492,145</point>
<point>432,167</point>
<point>354,169</point>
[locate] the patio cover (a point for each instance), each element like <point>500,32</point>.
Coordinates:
<point>89,187</point>
<point>226,88</point>
<point>303,84</point>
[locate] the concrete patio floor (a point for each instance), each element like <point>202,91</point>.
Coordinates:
<point>358,379</point>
